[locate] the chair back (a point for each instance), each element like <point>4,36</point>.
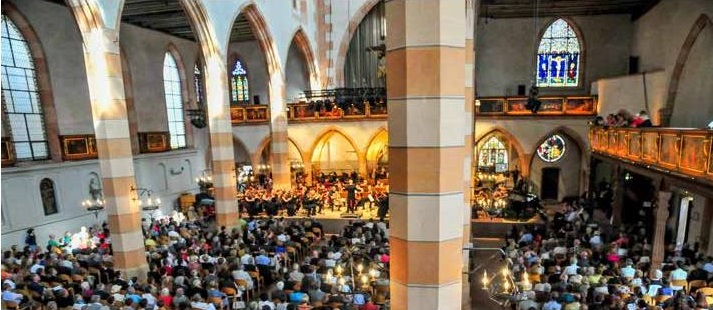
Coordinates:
<point>706,291</point>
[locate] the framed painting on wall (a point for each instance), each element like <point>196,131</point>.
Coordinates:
<point>78,147</point>
<point>153,142</point>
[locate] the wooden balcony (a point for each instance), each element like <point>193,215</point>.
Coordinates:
<point>686,152</point>
<point>249,114</point>
<point>551,106</point>
<point>304,112</point>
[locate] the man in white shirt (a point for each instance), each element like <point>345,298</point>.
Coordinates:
<point>247,259</point>
<point>572,268</point>
<point>241,274</point>
<point>296,275</point>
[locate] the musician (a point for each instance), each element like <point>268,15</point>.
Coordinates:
<point>288,203</point>
<point>351,196</point>
<point>382,201</point>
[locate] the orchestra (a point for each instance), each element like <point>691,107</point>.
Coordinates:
<point>340,196</point>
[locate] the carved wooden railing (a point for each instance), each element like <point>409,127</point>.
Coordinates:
<point>249,114</point>
<point>572,105</point>
<point>684,151</point>
<point>305,112</point>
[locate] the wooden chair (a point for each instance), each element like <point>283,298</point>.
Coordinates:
<point>677,285</point>
<point>706,291</point>
<point>257,279</point>
<point>217,301</point>
<point>242,284</point>
<point>695,284</point>
<point>659,299</point>
<point>11,305</point>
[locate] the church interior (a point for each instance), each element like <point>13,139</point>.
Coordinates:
<point>357,154</point>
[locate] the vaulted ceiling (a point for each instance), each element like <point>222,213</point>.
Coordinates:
<point>545,8</point>
<point>167,16</point>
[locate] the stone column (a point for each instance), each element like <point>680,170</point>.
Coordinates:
<point>221,139</point>
<point>280,151</point>
<point>471,22</point>
<point>425,61</point>
<point>100,36</point>
<point>660,217</point>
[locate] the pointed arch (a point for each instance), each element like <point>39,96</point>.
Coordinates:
<point>560,54</point>
<point>378,136</point>
<point>266,142</point>
<point>266,41</point>
<point>347,38</point>
<point>701,23</point>
<point>44,85</point>
<point>511,141</point>
<point>300,39</point>
<point>580,144</point>
<point>239,145</point>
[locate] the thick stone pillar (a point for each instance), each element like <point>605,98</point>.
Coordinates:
<point>221,139</point>
<point>212,29</point>
<point>280,152</point>
<point>471,22</point>
<point>660,217</point>
<point>100,36</point>
<point>425,61</point>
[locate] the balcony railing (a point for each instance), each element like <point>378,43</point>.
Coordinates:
<point>685,151</point>
<point>556,106</point>
<point>249,114</point>
<point>305,112</point>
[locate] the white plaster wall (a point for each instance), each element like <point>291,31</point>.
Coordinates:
<point>62,47</point>
<point>668,22</point>
<point>627,92</point>
<point>657,39</point>
<point>254,61</point>
<point>251,135</point>
<point>694,98</point>
<point>306,135</point>
<point>506,52</point>
<point>22,204</point>
<point>296,74</point>
<point>145,51</point>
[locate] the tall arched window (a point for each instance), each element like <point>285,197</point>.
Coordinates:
<point>239,84</point>
<point>558,56</point>
<point>20,95</point>
<point>174,102</point>
<point>493,154</point>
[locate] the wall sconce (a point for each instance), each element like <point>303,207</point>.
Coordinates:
<point>94,205</point>
<point>176,171</point>
<point>149,204</point>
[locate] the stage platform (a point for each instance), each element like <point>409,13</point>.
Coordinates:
<point>498,227</point>
<point>332,221</point>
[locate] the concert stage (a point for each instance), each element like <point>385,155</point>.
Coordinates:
<point>332,221</point>
<point>499,227</point>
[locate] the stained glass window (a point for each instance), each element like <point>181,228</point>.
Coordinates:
<point>20,96</point>
<point>239,84</point>
<point>552,149</point>
<point>493,154</point>
<point>558,56</point>
<point>174,102</point>
<point>198,81</point>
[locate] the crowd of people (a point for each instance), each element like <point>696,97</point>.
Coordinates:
<point>577,262</point>
<point>264,264</point>
<point>624,118</point>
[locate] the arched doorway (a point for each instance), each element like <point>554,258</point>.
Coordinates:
<point>261,164</point>
<point>377,156</point>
